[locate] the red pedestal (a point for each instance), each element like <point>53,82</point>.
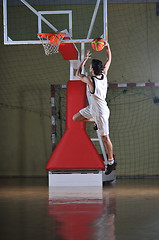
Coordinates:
<point>75,150</point>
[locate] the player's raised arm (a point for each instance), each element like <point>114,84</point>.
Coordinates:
<point>79,74</point>
<point>108,60</point>
<point>83,77</point>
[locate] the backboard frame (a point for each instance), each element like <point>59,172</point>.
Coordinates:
<point>41,14</point>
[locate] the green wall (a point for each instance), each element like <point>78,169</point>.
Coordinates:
<point>26,76</point>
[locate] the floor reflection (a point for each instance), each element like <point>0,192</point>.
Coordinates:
<point>127,210</point>
<point>83,213</point>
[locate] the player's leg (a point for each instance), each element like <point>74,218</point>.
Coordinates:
<point>83,115</point>
<point>78,117</point>
<point>109,148</point>
<point>108,145</point>
<point>103,128</point>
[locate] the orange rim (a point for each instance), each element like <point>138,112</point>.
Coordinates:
<point>54,37</point>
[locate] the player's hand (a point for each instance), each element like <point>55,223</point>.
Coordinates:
<point>106,44</point>
<point>88,55</point>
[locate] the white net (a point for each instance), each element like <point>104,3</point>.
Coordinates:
<point>51,42</point>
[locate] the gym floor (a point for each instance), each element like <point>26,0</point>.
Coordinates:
<point>126,210</point>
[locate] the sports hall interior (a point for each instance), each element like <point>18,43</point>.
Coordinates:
<point>129,208</point>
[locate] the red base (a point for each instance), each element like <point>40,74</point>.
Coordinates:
<point>75,149</point>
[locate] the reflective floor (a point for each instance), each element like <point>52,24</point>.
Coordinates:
<point>128,210</point>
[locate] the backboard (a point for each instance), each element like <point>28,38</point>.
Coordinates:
<point>81,20</point>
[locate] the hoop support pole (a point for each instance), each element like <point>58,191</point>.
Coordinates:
<point>105,20</point>
<point>93,18</point>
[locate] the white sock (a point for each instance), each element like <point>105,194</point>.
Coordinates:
<point>110,161</point>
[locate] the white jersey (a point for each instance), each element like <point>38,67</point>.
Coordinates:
<point>98,108</point>
<point>97,99</point>
<point>100,87</point>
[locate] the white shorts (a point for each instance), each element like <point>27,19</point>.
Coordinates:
<point>102,120</point>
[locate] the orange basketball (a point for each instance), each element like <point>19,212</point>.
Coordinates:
<point>98,44</point>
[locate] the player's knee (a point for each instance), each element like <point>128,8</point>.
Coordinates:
<point>78,117</point>
<point>74,118</point>
<point>106,138</point>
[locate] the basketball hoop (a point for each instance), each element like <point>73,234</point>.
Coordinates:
<point>51,41</point>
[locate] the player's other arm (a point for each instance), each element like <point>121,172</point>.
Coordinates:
<point>108,60</point>
<point>83,77</point>
<point>81,66</point>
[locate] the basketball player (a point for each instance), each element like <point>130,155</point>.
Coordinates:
<point>97,111</point>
